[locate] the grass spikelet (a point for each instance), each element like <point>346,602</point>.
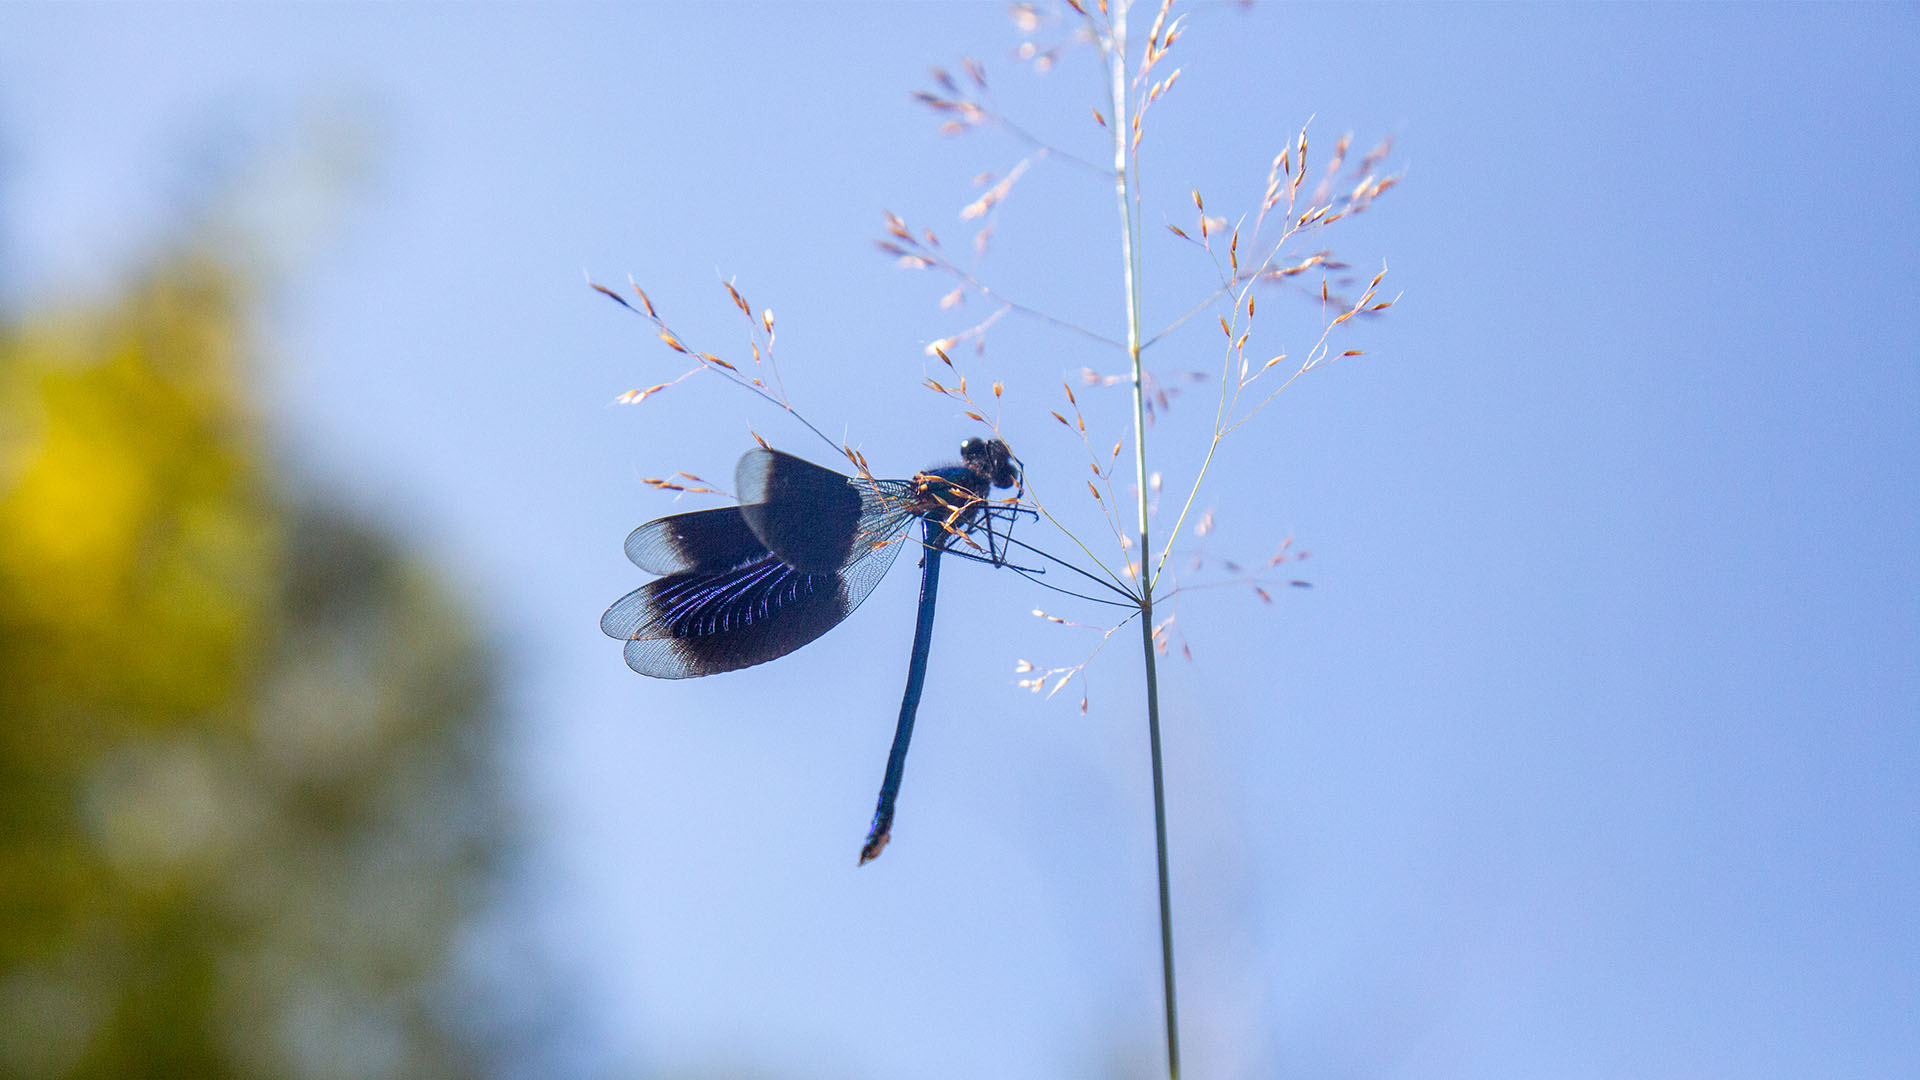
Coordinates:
<point>609,294</point>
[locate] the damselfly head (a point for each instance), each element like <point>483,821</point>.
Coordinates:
<point>992,459</point>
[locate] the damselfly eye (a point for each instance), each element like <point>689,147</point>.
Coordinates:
<point>991,459</point>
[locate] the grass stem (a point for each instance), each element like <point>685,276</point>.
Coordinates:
<point>1126,180</point>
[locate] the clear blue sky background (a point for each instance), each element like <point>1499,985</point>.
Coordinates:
<point>1595,750</point>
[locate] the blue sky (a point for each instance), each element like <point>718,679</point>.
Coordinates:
<point>1593,751</point>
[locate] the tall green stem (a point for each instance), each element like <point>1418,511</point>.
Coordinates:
<point>1125,180</point>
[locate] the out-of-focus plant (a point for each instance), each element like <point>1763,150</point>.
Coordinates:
<point>246,790</point>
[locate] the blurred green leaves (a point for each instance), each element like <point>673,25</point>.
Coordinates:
<point>246,788</point>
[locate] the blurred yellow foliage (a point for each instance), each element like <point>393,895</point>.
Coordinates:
<point>245,800</point>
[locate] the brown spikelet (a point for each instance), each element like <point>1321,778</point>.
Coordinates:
<point>1354,352</point>
<point>738,300</point>
<point>1062,419</point>
<point>1376,155</point>
<point>993,195</point>
<point>610,294</point>
<point>1154,44</point>
<point>1304,265</point>
<point>1095,490</point>
<point>1098,119</point>
<point>672,342</point>
<point>634,397</point>
<point>764,445</point>
<point>1174,229</point>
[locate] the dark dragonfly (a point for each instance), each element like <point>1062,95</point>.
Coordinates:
<point>746,584</point>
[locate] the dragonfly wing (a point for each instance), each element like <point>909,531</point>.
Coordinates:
<point>816,519</point>
<point>803,513</point>
<point>703,540</point>
<point>698,623</point>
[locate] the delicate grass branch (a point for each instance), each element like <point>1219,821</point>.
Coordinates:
<point>924,252</point>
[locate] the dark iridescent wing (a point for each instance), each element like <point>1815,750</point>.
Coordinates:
<point>747,584</point>
<point>709,540</point>
<point>813,518</point>
<point>698,623</point>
